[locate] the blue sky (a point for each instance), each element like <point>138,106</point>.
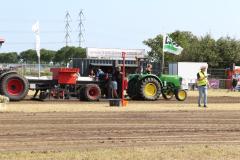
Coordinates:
<point>114,23</point>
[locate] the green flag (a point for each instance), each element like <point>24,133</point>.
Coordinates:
<point>170,46</point>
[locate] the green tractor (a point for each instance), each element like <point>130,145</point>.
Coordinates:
<point>150,87</point>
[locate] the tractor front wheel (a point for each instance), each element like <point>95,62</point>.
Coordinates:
<point>181,95</point>
<point>167,94</point>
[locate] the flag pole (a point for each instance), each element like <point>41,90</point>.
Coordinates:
<point>35,29</point>
<point>39,67</point>
<point>163,55</point>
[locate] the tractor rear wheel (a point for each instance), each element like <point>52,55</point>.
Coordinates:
<point>14,86</point>
<point>132,89</point>
<point>150,89</point>
<point>181,95</point>
<point>92,92</point>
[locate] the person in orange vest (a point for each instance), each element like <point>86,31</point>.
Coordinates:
<point>202,83</point>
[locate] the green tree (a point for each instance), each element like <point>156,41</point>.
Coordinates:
<point>208,51</point>
<point>60,55</point>
<point>229,51</point>
<point>47,55</point>
<point>64,54</point>
<point>203,49</point>
<point>184,39</point>
<point>29,56</point>
<point>11,57</point>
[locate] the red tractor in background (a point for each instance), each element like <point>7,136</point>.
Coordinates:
<point>12,84</point>
<point>64,84</point>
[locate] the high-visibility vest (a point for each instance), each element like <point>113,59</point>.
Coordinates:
<point>204,81</point>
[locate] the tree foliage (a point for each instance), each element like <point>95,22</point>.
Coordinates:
<point>66,53</point>
<point>11,57</point>
<point>29,56</point>
<point>47,56</point>
<point>61,56</point>
<point>217,53</point>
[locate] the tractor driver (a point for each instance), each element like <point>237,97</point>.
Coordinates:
<point>149,69</point>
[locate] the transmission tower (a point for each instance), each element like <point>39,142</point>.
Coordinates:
<point>81,28</point>
<point>67,28</point>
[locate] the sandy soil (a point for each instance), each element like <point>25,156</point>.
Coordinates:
<point>85,130</point>
<point>73,125</point>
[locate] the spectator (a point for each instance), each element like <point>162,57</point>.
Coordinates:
<point>92,74</point>
<point>234,83</point>
<point>202,83</point>
<point>117,82</point>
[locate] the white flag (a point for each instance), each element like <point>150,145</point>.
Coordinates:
<point>35,29</point>
<point>170,46</point>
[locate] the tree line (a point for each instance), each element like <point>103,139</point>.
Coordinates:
<point>220,53</point>
<point>217,53</point>
<point>61,56</point>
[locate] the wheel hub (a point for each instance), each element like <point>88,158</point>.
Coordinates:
<point>181,94</point>
<point>150,89</point>
<point>14,86</point>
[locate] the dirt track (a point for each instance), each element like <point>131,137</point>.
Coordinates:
<point>223,99</point>
<point>81,130</point>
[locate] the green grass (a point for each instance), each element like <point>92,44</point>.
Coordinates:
<point>182,152</point>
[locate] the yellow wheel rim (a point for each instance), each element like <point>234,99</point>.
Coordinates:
<point>181,94</point>
<point>150,89</point>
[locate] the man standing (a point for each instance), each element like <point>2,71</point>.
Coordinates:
<point>202,83</point>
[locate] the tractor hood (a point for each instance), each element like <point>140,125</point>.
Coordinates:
<point>174,79</point>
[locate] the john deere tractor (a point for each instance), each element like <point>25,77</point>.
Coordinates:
<point>150,87</point>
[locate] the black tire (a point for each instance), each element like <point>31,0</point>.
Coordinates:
<point>168,91</point>
<point>43,95</point>
<point>14,86</point>
<point>167,95</point>
<point>181,95</point>
<point>153,83</point>
<point>132,89</point>
<point>82,93</point>
<point>92,92</point>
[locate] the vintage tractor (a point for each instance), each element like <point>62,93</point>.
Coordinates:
<point>12,85</point>
<point>150,87</point>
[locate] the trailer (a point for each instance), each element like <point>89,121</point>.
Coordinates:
<point>65,83</point>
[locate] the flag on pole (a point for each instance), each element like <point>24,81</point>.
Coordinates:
<point>170,46</point>
<point>35,29</point>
